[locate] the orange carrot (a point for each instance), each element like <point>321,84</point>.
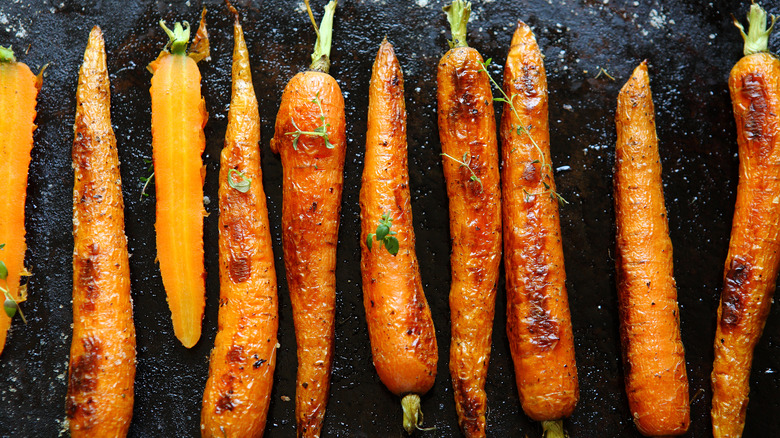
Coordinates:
<point>102,353</point>
<point>241,371</point>
<point>538,319</point>
<point>178,117</point>
<point>653,354</point>
<point>403,340</point>
<point>750,274</point>
<point>18,92</point>
<point>467,130</point>
<point>310,137</point>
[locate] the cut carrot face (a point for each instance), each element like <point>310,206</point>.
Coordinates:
<point>750,274</point>
<point>241,368</point>
<point>400,326</point>
<point>178,117</point>
<point>102,354</point>
<point>18,93</point>
<point>538,318</point>
<point>310,137</point>
<point>653,354</point>
<point>467,130</point>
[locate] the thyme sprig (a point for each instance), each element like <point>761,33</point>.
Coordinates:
<point>544,166</point>
<point>242,184</point>
<point>465,163</point>
<point>320,131</point>
<point>384,235</point>
<point>147,179</point>
<point>10,305</point>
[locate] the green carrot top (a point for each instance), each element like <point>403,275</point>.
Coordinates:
<point>320,58</point>
<point>458,13</point>
<point>7,55</point>
<point>757,38</point>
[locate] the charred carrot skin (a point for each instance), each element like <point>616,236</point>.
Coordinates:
<point>752,263</point>
<point>400,326</point>
<point>238,390</point>
<point>311,205</point>
<point>467,131</point>
<point>102,354</point>
<point>18,93</point>
<point>538,319</point>
<point>653,353</point>
<point>178,117</point>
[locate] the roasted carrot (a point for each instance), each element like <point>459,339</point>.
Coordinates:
<point>241,371</point>
<point>400,326</point>
<point>102,352</point>
<point>653,354</point>
<point>467,131</point>
<point>178,117</point>
<point>752,262</point>
<point>18,93</point>
<point>538,319</point>
<point>311,139</point>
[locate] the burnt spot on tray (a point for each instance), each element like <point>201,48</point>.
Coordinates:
<point>88,276</point>
<point>733,296</point>
<point>754,90</point>
<point>83,378</point>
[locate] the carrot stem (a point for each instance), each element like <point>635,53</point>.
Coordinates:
<point>458,13</point>
<point>179,37</point>
<point>553,429</point>
<point>320,58</point>
<point>6,54</point>
<point>757,38</point>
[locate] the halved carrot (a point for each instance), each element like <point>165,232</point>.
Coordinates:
<point>241,371</point>
<point>467,130</point>
<point>18,92</point>
<point>752,263</point>
<point>311,139</point>
<point>178,117</point>
<point>653,353</point>
<point>538,319</point>
<point>102,353</point>
<point>400,326</point>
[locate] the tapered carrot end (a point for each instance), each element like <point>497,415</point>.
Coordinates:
<point>188,336</point>
<point>199,50</point>
<point>522,35</point>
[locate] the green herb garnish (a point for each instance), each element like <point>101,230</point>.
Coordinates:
<point>243,183</point>
<point>465,163</point>
<point>545,167</point>
<point>10,305</point>
<point>384,235</point>
<point>320,131</point>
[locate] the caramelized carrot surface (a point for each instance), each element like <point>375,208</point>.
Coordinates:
<point>750,273</point>
<point>241,371</point>
<point>310,137</point>
<point>653,354</point>
<point>178,117</point>
<point>467,131</point>
<point>18,93</point>
<point>403,339</point>
<point>538,319</point>
<point>102,353</point>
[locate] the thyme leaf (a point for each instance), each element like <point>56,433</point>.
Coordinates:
<point>384,235</point>
<point>320,131</point>
<point>243,183</point>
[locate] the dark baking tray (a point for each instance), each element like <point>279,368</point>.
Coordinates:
<point>690,46</point>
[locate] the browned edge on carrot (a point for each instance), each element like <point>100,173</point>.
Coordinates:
<point>538,317</point>
<point>102,353</point>
<point>653,354</point>
<point>750,271</point>
<point>242,363</point>
<point>178,118</point>
<point>400,326</point>
<point>310,137</point>
<point>467,131</point>
<point>18,96</point>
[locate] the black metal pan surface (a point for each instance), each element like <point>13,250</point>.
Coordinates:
<point>690,46</point>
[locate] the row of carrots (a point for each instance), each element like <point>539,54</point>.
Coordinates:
<point>514,204</point>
